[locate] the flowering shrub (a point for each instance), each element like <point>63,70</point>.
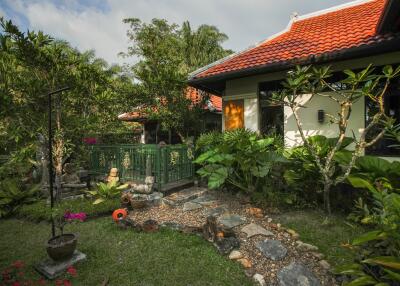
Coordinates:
<point>69,217</point>
<point>14,275</point>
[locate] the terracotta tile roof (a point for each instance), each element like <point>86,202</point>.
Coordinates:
<point>141,112</point>
<point>313,35</point>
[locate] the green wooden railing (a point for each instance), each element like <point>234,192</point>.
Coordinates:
<point>167,164</point>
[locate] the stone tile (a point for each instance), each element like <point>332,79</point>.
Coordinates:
<point>190,206</point>
<point>216,211</point>
<point>296,274</point>
<point>272,249</point>
<point>206,200</point>
<point>231,220</point>
<point>52,269</point>
<point>184,196</point>
<point>255,229</point>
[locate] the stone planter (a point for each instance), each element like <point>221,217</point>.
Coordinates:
<point>62,247</point>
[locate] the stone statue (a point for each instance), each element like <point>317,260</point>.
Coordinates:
<point>145,188</point>
<point>69,176</point>
<point>113,176</point>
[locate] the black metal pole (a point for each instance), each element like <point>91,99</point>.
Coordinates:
<point>53,228</point>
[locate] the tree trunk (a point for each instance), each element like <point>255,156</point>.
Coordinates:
<point>327,199</point>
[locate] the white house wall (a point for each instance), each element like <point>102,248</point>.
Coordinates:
<point>309,119</point>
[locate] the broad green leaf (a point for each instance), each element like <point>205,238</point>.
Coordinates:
<point>98,201</point>
<point>372,235</point>
<point>217,178</point>
<point>392,275</point>
<point>358,182</point>
<point>362,281</point>
<point>388,261</point>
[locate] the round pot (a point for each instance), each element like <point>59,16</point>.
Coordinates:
<point>62,247</point>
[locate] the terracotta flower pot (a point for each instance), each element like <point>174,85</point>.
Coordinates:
<point>62,247</point>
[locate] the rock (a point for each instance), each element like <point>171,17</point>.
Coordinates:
<point>150,226</point>
<point>231,221</point>
<point>245,262</point>
<point>206,200</point>
<point>257,212</point>
<point>302,246</point>
<point>325,264</point>
<point>296,274</point>
<point>278,225</point>
<point>156,198</point>
<point>269,220</point>
<point>255,229</point>
<point>190,206</point>
<point>318,255</point>
<point>173,226</point>
<point>184,196</point>
<point>235,254</point>
<point>192,230</point>
<point>226,245</point>
<point>272,249</point>
<point>216,211</point>
<point>259,279</point>
<point>249,272</point>
<point>293,233</point>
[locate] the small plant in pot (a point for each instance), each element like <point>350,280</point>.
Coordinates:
<point>61,247</point>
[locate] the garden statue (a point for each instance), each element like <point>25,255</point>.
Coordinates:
<point>42,157</point>
<point>145,188</point>
<point>69,176</point>
<point>113,176</point>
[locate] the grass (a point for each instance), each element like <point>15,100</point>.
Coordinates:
<point>327,236</point>
<point>41,210</point>
<point>124,256</point>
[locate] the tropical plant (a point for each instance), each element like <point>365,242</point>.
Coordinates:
<point>243,159</point>
<point>13,195</point>
<point>317,82</point>
<point>106,191</point>
<point>377,252</point>
<point>208,141</point>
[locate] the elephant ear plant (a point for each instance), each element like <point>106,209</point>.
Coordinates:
<point>242,159</point>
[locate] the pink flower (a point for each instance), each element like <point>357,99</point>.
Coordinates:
<point>67,282</point>
<point>59,282</point>
<point>16,283</point>
<point>75,216</point>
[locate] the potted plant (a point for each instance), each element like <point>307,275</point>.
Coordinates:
<point>61,247</point>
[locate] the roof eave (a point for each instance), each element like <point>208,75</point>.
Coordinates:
<point>345,54</point>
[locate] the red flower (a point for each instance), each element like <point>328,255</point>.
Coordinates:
<point>67,282</point>
<point>16,283</point>
<point>72,271</point>
<point>18,264</point>
<point>41,281</point>
<point>59,282</point>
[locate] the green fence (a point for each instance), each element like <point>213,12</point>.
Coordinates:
<point>167,164</point>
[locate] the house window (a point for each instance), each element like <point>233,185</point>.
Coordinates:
<point>392,109</point>
<point>233,114</point>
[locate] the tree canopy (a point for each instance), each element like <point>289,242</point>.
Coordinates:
<point>166,54</point>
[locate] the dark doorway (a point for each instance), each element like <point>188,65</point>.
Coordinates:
<point>271,114</point>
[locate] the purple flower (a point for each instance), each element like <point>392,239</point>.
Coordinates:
<point>75,216</point>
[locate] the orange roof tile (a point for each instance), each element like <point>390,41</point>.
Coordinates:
<point>313,35</point>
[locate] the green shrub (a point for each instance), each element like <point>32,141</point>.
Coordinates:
<point>14,194</point>
<point>242,159</point>
<point>377,252</point>
<point>40,210</point>
<point>106,191</point>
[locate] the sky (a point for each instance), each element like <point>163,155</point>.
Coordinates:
<point>97,24</point>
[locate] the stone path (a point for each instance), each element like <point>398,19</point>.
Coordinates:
<point>269,253</point>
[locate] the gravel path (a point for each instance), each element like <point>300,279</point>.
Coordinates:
<point>260,263</point>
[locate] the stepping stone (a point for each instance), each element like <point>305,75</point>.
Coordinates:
<point>190,206</point>
<point>272,249</point>
<point>184,196</point>
<point>255,229</point>
<point>296,274</point>
<point>230,221</point>
<point>226,245</point>
<point>205,200</point>
<point>216,211</point>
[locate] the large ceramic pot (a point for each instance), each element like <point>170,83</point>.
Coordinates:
<point>62,247</point>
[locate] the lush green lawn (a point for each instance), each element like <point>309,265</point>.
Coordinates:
<point>328,237</point>
<point>125,257</point>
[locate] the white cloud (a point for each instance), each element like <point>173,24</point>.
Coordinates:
<point>245,22</point>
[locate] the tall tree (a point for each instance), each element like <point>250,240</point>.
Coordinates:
<point>166,54</point>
